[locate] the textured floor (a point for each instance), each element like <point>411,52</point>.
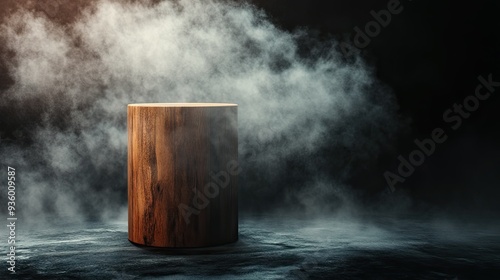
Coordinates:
<point>270,248</point>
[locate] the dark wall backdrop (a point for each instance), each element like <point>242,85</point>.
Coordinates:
<point>429,56</point>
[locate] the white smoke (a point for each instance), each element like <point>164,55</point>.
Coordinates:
<point>73,84</point>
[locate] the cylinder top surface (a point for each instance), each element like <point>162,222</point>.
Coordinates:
<point>167,105</point>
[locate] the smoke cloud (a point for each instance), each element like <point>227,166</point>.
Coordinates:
<point>298,105</point>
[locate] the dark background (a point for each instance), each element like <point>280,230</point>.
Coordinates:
<point>430,55</point>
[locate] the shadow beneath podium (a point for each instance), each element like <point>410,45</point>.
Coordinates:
<point>236,247</point>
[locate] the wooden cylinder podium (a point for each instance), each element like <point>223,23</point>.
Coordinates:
<point>182,174</point>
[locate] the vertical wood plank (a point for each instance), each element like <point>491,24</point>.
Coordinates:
<point>174,152</point>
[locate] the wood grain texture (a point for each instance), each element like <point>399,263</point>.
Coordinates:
<point>174,155</point>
